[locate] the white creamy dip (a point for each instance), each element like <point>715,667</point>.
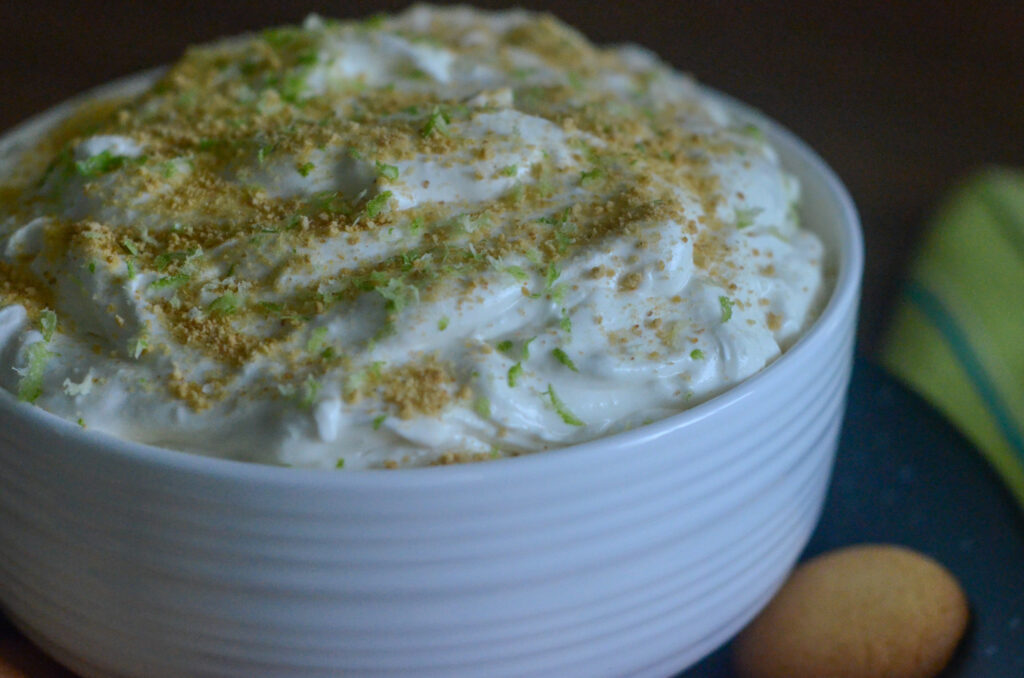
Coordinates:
<point>441,236</point>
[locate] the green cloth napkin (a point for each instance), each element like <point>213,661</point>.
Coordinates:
<point>957,336</point>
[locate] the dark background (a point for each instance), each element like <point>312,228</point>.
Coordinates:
<point>901,98</point>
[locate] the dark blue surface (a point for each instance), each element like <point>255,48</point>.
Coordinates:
<point>904,475</point>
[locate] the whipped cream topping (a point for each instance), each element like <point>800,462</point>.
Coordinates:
<point>441,236</point>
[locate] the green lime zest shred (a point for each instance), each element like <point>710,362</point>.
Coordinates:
<point>139,346</point>
<point>377,204</point>
<point>389,172</point>
<point>292,88</point>
<point>162,261</point>
<point>101,163</point>
<point>482,406</point>
<point>726,305</point>
<point>30,386</point>
<point>514,373</point>
<point>697,354</point>
<point>591,176</point>
<point>550,276</point>
<point>437,122</point>
<point>378,421</point>
<point>745,217</point>
<point>565,322</point>
<point>516,272</point>
<point>317,340</point>
<point>270,307</point>
<point>168,169</point>
<point>310,390</point>
<point>176,280</point>
<point>563,357</point>
<point>562,409</point>
<point>375,21</point>
<point>47,324</point>
<point>526,348</point>
<point>398,294</point>
<point>225,304</point>
<point>753,131</point>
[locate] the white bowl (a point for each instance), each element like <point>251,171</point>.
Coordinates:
<point>636,554</point>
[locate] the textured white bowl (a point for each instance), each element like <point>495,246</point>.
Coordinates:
<point>635,555</point>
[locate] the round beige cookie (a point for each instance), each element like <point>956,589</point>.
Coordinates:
<point>870,611</point>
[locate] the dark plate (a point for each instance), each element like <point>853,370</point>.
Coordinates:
<point>904,475</point>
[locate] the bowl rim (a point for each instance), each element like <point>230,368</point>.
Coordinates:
<point>843,300</point>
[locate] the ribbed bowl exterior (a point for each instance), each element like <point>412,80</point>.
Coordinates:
<point>633,555</point>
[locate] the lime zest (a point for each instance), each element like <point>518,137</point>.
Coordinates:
<point>310,390</point>
<point>139,346</point>
<point>398,294</point>
<point>562,409</point>
<point>30,386</point>
<point>317,340</point>
<point>745,217</point>
<point>753,131</point>
<point>375,21</point>
<point>162,261</point>
<point>726,305</point>
<point>437,122</point>
<point>47,323</point>
<point>516,272</point>
<point>565,322</point>
<point>389,172</point>
<point>591,176</point>
<point>563,357</point>
<point>526,348</point>
<point>129,247</point>
<point>225,304</point>
<point>514,373</point>
<point>176,280</point>
<point>550,276</point>
<point>377,204</point>
<point>101,163</point>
